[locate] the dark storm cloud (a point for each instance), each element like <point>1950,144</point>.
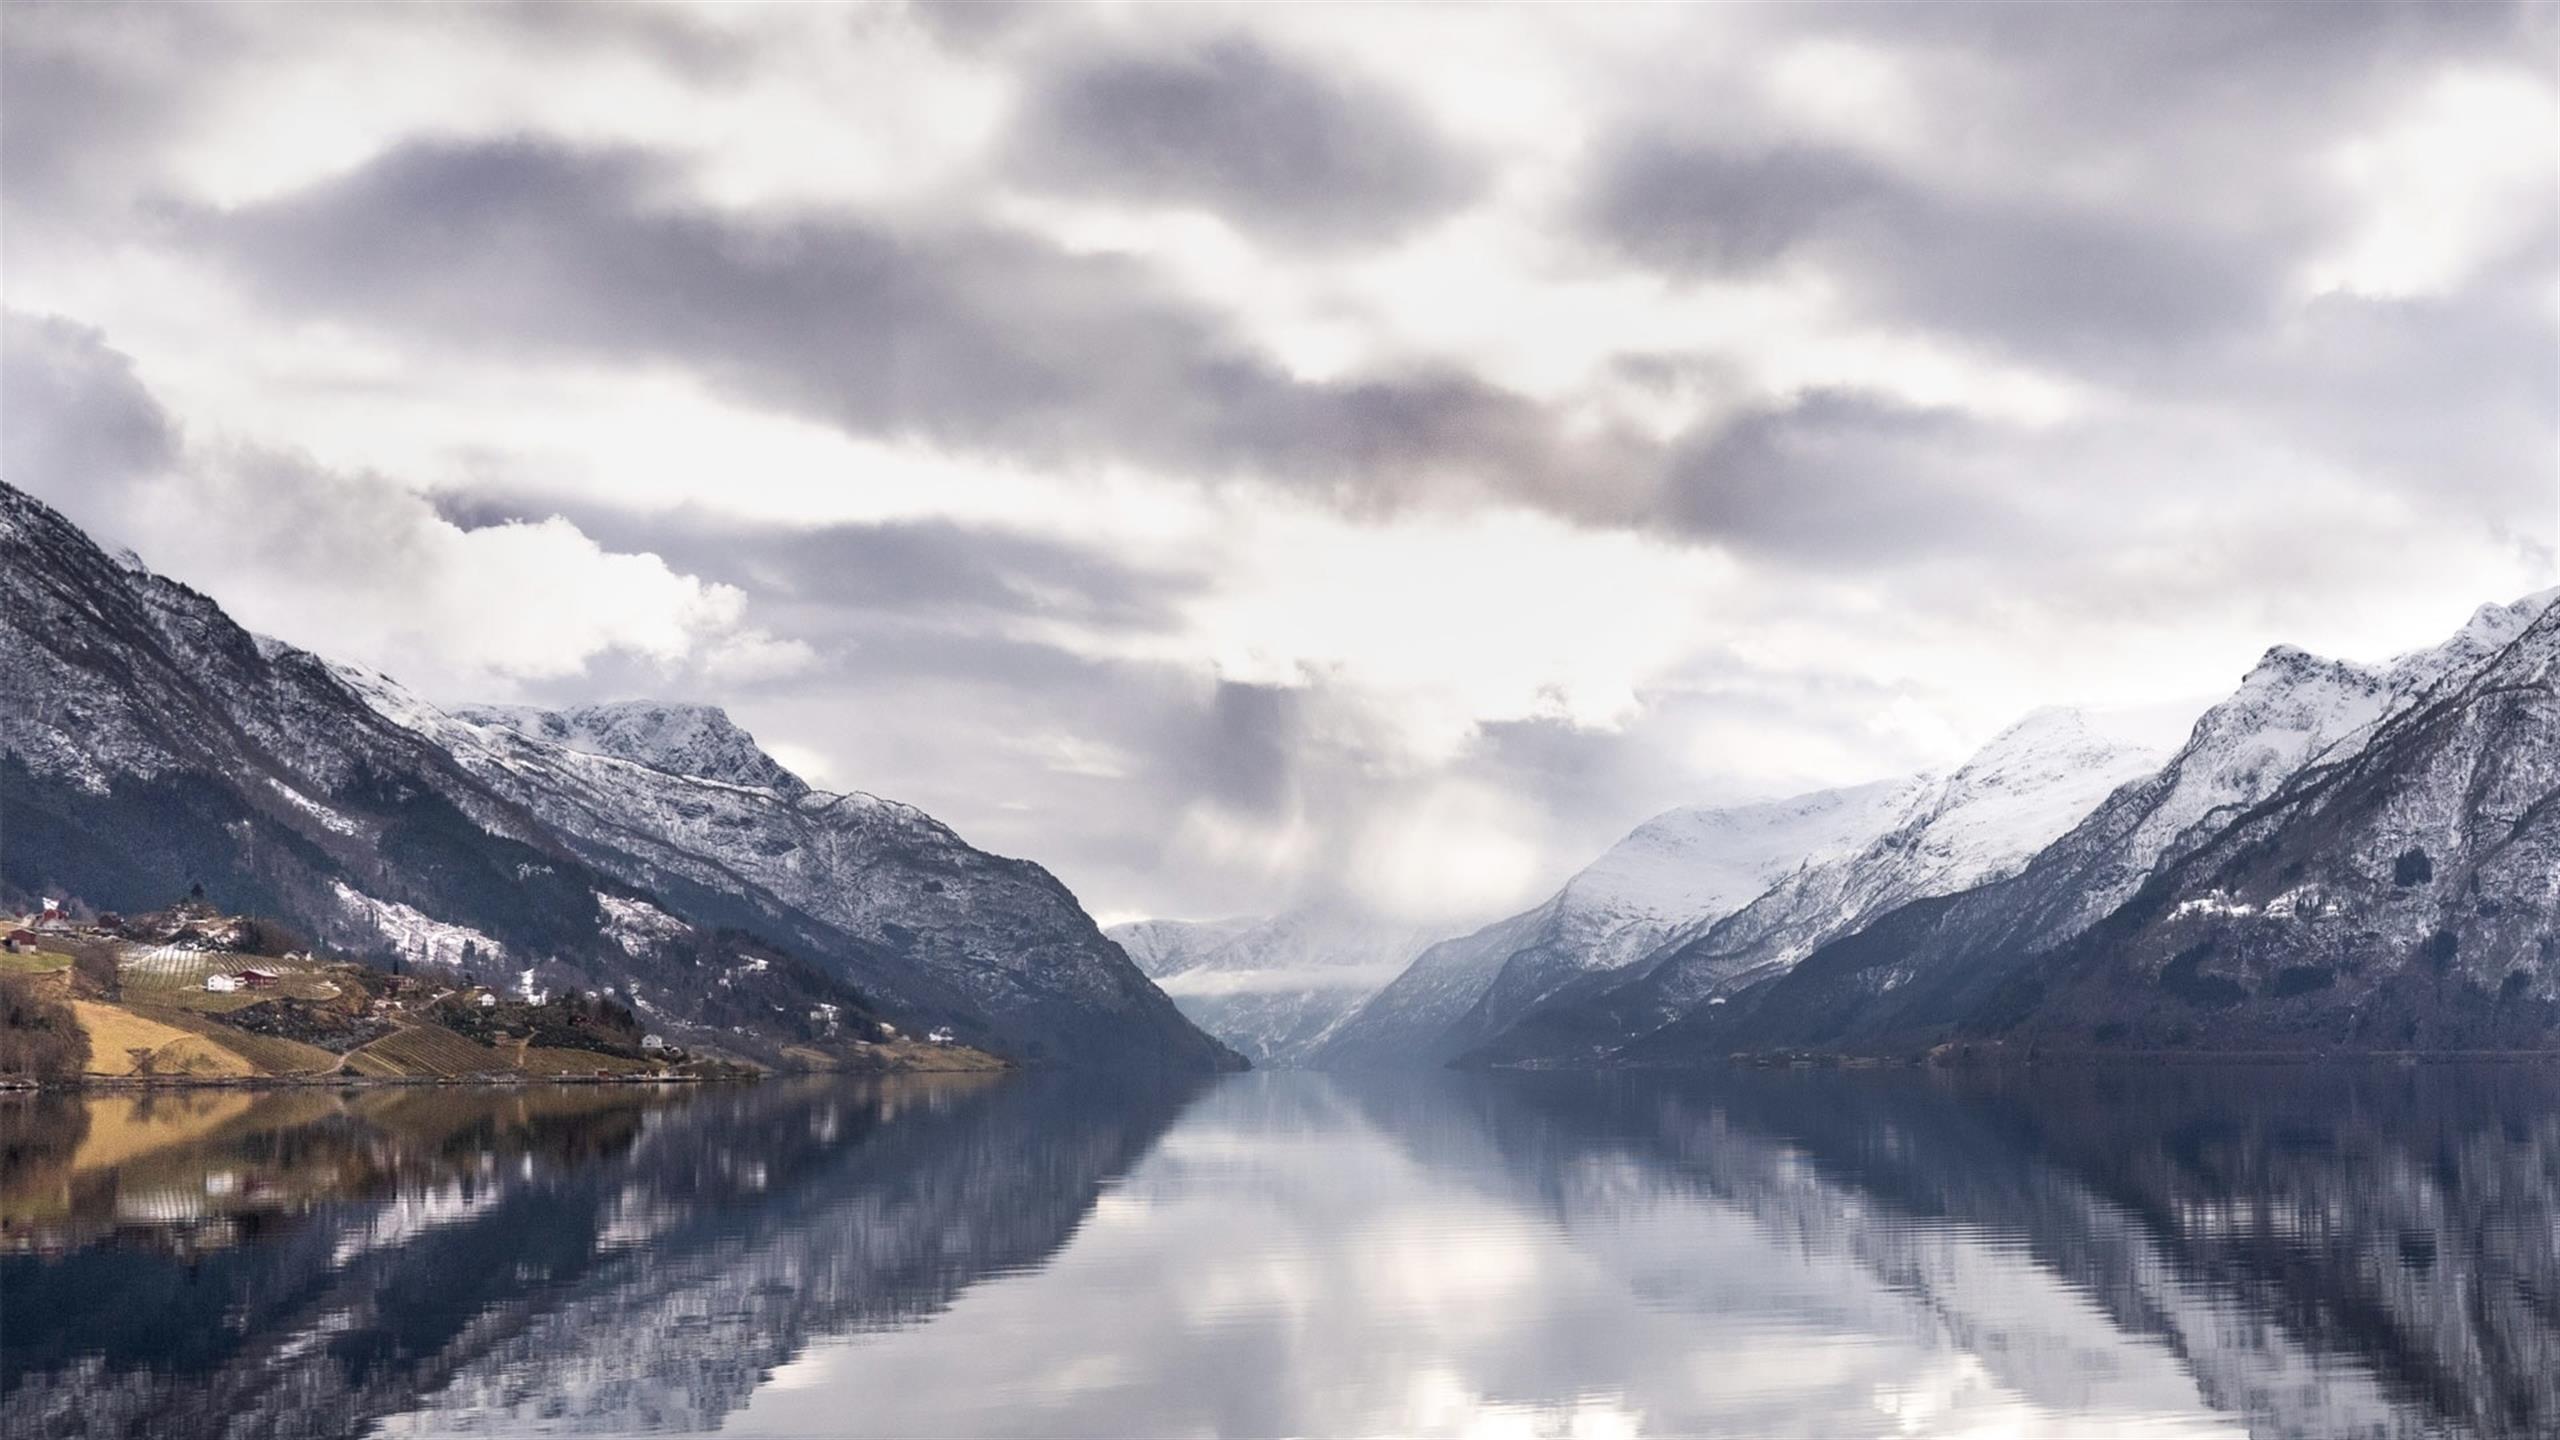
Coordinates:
<point>976,338</point>
<point>1285,148</point>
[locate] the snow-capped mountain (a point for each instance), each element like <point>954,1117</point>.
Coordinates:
<point>1942,833</point>
<point>2253,891</point>
<point>1273,987</point>
<point>148,743</point>
<point>1676,869</point>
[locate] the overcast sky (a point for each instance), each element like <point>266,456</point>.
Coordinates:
<point>1238,457</point>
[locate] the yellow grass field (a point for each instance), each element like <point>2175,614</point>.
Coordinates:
<point>116,1034</point>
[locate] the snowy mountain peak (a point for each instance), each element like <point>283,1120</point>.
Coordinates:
<point>1708,859</point>
<point>682,739</point>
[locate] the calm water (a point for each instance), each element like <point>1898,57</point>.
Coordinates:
<point>2165,1253</point>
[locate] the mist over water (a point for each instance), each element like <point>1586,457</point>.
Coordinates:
<point>2202,1250</point>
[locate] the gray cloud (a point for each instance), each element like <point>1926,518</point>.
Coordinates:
<point>81,428</point>
<point>982,339</point>
<point>1840,479</point>
<point>1283,148</point>
<point>2039,277</point>
<point>2117,184</point>
<point>935,571</point>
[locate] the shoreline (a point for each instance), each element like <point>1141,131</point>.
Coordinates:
<point>122,1084</point>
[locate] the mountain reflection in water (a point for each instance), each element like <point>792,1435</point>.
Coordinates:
<point>2188,1251</point>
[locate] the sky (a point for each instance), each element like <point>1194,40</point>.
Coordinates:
<point>1251,457</point>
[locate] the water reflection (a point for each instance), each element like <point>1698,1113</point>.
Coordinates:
<point>2280,1252</point>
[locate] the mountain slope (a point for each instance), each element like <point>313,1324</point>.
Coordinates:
<point>148,743</point>
<point>1675,869</point>
<point>2278,911</point>
<point>998,948</point>
<point>1272,987</point>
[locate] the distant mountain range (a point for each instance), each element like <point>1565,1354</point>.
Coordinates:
<point>2340,855</point>
<point>148,744</point>
<point>1273,987</point>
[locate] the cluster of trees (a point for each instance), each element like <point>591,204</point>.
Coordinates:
<point>39,1038</point>
<point>568,1021</point>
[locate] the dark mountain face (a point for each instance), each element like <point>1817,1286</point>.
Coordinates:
<point>2405,896</point>
<point>2402,891</point>
<point>147,743</point>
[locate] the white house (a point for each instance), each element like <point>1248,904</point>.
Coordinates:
<point>653,1042</point>
<point>939,1036</point>
<point>220,984</point>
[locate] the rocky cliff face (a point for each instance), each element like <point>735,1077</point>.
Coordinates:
<point>147,743</point>
<point>2404,894</point>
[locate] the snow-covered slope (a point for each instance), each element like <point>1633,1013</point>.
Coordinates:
<point>1676,869</point>
<point>1273,987</point>
<point>1981,821</point>
<point>1169,947</point>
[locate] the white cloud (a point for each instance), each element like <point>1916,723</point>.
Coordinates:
<point>2463,172</point>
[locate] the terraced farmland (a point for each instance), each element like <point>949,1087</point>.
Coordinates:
<point>426,1051</point>
<point>183,968</point>
<point>275,1055</point>
<point>545,1060</point>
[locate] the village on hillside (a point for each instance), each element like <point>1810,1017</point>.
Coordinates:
<point>192,995</point>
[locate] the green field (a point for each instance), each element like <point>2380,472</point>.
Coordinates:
<point>39,962</point>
